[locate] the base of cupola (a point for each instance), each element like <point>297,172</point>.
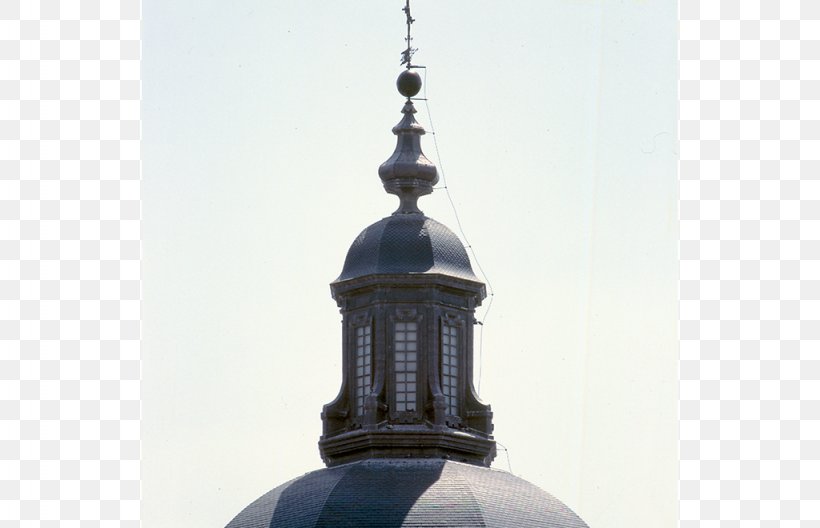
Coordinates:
<point>407,442</point>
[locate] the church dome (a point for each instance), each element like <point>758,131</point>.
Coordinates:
<point>407,416</point>
<point>393,493</point>
<point>407,244</point>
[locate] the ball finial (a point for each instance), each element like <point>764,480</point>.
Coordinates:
<point>408,83</point>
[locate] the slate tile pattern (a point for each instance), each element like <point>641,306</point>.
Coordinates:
<point>393,493</point>
<point>407,243</point>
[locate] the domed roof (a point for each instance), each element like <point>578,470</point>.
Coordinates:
<point>393,493</point>
<point>407,243</point>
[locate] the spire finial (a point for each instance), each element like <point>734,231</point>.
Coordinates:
<point>409,82</point>
<point>407,54</point>
<point>408,173</point>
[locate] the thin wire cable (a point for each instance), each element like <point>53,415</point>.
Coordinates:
<point>506,452</point>
<point>461,231</point>
<point>497,443</point>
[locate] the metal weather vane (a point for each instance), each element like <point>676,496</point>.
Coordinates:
<point>407,54</point>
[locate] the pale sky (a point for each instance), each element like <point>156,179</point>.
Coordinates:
<point>264,124</point>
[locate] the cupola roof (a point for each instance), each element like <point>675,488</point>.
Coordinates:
<point>407,243</point>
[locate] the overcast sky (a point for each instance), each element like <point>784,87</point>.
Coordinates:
<point>264,124</point>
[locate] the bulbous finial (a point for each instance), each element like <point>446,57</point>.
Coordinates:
<point>408,83</point>
<point>408,173</point>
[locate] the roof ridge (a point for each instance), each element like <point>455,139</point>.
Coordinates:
<point>331,490</point>
<point>477,502</point>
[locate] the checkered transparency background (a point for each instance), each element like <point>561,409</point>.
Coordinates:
<point>69,263</point>
<point>750,262</point>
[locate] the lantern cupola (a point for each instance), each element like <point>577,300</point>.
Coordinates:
<point>407,294</point>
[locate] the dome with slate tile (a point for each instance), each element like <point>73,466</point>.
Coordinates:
<point>393,493</point>
<point>407,440</point>
<point>407,243</point>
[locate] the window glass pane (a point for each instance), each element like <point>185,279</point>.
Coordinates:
<point>449,367</point>
<point>363,373</point>
<point>404,365</point>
